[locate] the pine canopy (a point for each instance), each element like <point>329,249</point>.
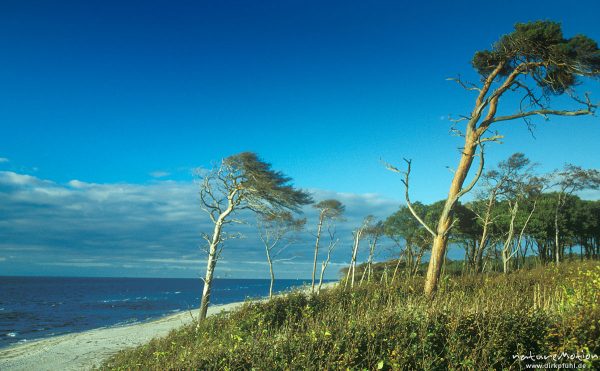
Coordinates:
<point>553,61</point>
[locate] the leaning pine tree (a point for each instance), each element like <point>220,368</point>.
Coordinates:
<point>241,182</point>
<point>534,62</point>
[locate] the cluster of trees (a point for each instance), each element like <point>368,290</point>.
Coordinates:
<point>514,215</point>
<point>244,182</point>
<point>534,63</point>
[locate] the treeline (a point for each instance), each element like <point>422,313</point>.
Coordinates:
<point>516,214</point>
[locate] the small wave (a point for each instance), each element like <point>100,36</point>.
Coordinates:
<point>115,300</point>
<point>11,334</point>
<point>177,292</point>
<point>1,309</point>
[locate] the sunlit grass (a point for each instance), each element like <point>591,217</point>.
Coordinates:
<point>474,322</point>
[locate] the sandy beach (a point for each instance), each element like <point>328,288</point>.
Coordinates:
<point>84,350</point>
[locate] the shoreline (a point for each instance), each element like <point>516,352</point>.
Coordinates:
<point>87,349</point>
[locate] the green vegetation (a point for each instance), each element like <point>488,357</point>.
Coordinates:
<point>475,322</point>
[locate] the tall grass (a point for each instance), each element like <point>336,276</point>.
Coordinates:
<point>474,322</point>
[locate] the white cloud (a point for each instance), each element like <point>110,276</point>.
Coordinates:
<point>159,174</point>
<point>12,178</point>
<point>76,264</point>
<point>3,160</point>
<point>130,229</point>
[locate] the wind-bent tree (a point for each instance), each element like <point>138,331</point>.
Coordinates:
<point>535,62</point>
<point>241,182</point>
<point>570,179</point>
<point>328,210</point>
<point>273,229</point>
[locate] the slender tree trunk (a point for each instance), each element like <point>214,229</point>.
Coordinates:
<point>440,241</point>
<point>323,267</point>
<point>418,261</point>
<point>321,215</point>
<point>210,268</point>
<point>507,251</point>
<point>213,256</point>
<point>409,260</point>
<point>353,261</point>
<point>484,234</point>
<point>397,266</point>
<point>369,261</point>
<point>271,273</point>
<point>556,232</point>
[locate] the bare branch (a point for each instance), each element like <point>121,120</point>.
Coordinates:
<point>495,138</point>
<point>465,85</point>
<point>543,113</point>
<point>405,181</point>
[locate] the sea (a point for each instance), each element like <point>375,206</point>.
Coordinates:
<point>40,307</point>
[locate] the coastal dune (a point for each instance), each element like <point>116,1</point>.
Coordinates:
<point>85,350</point>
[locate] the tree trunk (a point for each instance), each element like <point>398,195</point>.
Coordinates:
<point>507,251</point>
<point>440,241</point>
<point>322,214</point>
<point>323,267</point>
<point>484,234</point>
<point>272,275</point>
<point>212,257</point>
<point>418,262</point>
<point>210,268</point>
<point>556,232</point>
<point>397,266</point>
<point>353,261</point>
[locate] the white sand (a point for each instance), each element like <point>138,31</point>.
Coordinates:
<point>84,350</point>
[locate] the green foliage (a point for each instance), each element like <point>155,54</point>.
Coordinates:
<point>330,208</point>
<point>479,322</point>
<point>261,184</point>
<point>558,60</point>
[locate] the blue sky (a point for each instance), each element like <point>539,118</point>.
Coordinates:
<point>106,107</point>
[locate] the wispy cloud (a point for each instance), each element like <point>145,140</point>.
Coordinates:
<point>3,160</point>
<point>159,174</point>
<point>145,229</point>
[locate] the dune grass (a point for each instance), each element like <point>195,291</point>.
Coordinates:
<point>474,322</point>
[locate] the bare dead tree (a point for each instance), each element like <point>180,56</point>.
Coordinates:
<point>274,230</point>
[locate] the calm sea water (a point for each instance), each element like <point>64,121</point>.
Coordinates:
<point>39,307</point>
